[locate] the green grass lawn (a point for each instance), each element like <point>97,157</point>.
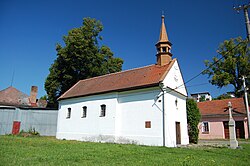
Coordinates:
<point>49,151</point>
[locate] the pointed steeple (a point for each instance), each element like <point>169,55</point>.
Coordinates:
<point>163,33</point>
<point>163,46</point>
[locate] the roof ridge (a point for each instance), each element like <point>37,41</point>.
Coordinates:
<point>234,98</point>
<point>7,88</point>
<point>105,75</point>
<point>12,87</point>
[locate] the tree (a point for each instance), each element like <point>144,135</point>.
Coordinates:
<point>193,119</point>
<point>234,64</point>
<point>80,58</point>
<point>202,98</point>
<point>43,97</point>
<point>223,96</point>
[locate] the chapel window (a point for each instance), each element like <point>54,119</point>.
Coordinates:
<point>84,112</point>
<point>103,110</point>
<point>68,113</point>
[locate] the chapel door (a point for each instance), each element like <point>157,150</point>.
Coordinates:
<point>178,132</point>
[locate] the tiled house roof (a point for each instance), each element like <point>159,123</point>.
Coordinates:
<point>220,107</point>
<point>12,96</point>
<point>147,76</point>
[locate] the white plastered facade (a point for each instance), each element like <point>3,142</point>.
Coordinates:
<point>127,113</point>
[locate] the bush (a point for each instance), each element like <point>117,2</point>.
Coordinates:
<point>193,118</point>
<point>31,132</point>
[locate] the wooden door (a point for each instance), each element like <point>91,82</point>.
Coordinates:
<point>178,132</point>
<point>16,127</point>
<point>239,127</point>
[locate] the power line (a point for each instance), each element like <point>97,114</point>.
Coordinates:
<point>198,84</point>
<point>195,85</point>
<point>207,67</point>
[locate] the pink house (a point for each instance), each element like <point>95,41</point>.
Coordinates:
<point>214,119</point>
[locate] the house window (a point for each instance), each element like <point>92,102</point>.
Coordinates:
<point>147,124</point>
<point>84,112</point>
<point>205,127</point>
<point>68,113</point>
<point>103,110</point>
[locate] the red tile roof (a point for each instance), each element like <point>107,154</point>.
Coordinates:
<point>218,107</point>
<point>130,79</point>
<point>12,96</point>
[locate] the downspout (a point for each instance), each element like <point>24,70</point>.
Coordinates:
<point>163,114</point>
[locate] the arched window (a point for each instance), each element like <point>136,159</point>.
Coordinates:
<point>103,110</point>
<point>68,113</point>
<point>84,112</point>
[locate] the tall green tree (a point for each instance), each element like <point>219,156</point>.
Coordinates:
<point>80,58</point>
<point>193,119</point>
<point>234,64</point>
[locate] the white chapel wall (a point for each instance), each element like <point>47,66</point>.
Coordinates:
<point>175,112</point>
<point>174,79</point>
<point>175,106</point>
<point>93,127</point>
<point>126,114</point>
<point>135,109</point>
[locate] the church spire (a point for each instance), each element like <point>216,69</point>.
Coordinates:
<point>163,33</point>
<point>163,46</point>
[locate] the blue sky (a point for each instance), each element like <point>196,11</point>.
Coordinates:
<point>30,29</point>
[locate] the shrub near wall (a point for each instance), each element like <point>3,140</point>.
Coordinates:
<point>193,118</point>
